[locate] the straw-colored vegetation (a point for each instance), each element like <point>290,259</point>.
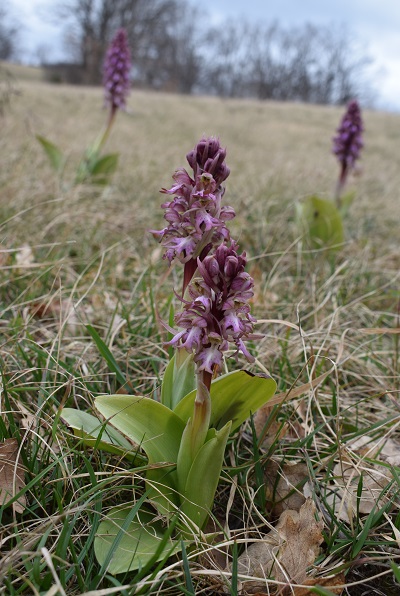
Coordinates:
<point>72,256</point>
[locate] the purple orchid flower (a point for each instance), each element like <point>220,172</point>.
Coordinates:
<point>217,312</point>
<point>347,143</point>
<point>117,66</point>
<point>196,217</point>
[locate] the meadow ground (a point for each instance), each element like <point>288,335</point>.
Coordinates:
<point>73,256</point>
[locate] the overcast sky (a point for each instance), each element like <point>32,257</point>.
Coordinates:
<point>374,23</point>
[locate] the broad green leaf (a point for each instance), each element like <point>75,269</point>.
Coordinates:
<point>54,154</point>
<point>167,384</point>
<point>131,544</point>
<point>204,475</point>
<point>105,165</point>
<point>152,425</point>
<point>179,378</point>
<point>158,431</point>
<point>162,491</point>
<point>321,222</point>
<point>344,203</point>
<point>97,434</point>
<point>233,397</point>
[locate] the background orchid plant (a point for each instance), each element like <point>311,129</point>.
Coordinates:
<point>321,220</point>
<point>184,435</point>
<point>94,167</point>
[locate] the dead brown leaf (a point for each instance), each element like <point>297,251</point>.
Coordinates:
<point>329,583</point>
<point>276,430</point>
<point>283,484</point>
<point>24,258</point>
<point>11,475</point>
<point>302,536</point>
<point>391,452</point>
<point>345,499</point>
<point>45,308</point>
<point>384,449</point>
<point>61,310</point>
<point>27,420</point>
<point>287,551</point>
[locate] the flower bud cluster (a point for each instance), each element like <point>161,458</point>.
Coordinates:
<point>196,217</point>
<point>117,66</point>
<point>348,143</point>
<point>218,311</point>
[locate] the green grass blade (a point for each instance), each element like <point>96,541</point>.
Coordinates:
<point>186,569</point>
<point>107,355</point>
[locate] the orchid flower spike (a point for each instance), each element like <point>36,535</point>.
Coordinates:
<point>217,311</point>
<point>347,143</point>
<point>196,216</point>
<point>116,70</point>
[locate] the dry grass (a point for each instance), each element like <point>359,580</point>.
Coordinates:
<point>22,72</point>
<point>90,260</point>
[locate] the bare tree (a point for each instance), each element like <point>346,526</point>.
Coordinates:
<point>173,49</point>
<point>8,35</point>
<point>306,63</point>
<point>226,59</point>
<point>161,35</point>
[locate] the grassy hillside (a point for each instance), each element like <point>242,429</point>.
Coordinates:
<point>77,255</point>
<point>22,72</point>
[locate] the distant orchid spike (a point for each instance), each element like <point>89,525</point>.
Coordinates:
<point>196,217</point>
<point>347,144</point>
<point>217,311</point>
<point>117,66</point>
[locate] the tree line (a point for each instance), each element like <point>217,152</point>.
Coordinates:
<point>175,48</point>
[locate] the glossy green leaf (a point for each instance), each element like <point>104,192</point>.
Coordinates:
<point>158,431</point>
<point>344,203</point>
<point>204,475</point>
<point>149,423</point>
<point>126,545</point>
<point>98,434</point>
<point>233,397</point>
<point>321,223</point>
<point>179,378</point>
<point>54,154</point>
<point>105,165</point>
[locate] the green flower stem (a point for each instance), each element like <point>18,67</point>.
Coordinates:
<point>107,131</point>
<point>195,433</point>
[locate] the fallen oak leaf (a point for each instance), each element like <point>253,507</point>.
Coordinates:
<point>347,500</point>
<point>384,449</point>
<point>283,484</point>
<point>11,475</point>
<point>286,552</point>
<point>303,536</point>
<point>61,310</point>
<point>334,584</point>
